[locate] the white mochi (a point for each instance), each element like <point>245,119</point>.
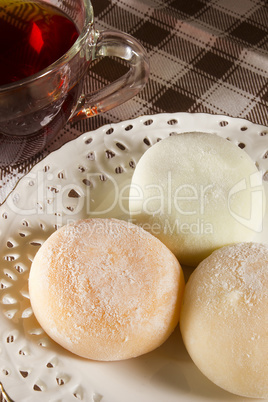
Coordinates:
<point>224,318</point>
<point>197,192</point>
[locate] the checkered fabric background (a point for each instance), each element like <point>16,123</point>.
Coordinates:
<point>205,56</point>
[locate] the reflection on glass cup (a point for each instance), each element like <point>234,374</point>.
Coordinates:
<point>34,108</point>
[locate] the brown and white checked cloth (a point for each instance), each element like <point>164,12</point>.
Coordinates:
<point>205,56</point>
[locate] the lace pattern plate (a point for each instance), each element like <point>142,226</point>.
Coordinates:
<point>90,176</point>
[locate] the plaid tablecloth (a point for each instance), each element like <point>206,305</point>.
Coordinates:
<point>205,56</point>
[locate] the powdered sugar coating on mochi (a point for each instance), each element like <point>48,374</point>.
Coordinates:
<point>224,318</point>
<point>106,289</point>
<point>197,192</point>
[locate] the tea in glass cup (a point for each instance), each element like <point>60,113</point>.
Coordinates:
<point>35,36</point>
<point>46,48</point>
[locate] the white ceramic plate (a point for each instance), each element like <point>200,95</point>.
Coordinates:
<point>89,177</point>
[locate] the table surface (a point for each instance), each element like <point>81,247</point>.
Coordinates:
<point>205,56</point>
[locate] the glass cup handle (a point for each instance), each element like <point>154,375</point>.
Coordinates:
<point>124,46</point>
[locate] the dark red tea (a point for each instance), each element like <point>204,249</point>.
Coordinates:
<point>33,34</point>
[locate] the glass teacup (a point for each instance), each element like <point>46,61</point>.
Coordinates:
<point>34,109</point>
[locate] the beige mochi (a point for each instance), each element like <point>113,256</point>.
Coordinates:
<point>106,289</point>
<point>197,192</point>
<point>224,318</point>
